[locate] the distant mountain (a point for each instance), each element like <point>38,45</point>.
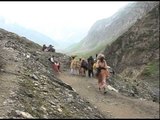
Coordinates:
<point>72,39</point>
<point>72,36</point>
<point>33,35</point>
<point>107,30</point>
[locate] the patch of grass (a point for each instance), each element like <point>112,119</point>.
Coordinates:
<point>93,48</point>
<point>151,69</point>
<point>74,47</point>
<point>92,52</point>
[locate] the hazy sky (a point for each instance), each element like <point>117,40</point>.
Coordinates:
<point>55,18</point>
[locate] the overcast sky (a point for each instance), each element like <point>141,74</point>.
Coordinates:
<point>54,18</point>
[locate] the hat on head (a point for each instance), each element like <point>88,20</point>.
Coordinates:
<point>100,56</point>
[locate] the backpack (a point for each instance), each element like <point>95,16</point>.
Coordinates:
<point>84,64</point>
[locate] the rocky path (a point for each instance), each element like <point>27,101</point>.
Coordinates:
<point>112,103</point>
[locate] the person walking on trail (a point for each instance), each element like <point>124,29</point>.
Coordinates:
<point>90,66</point>
<point>53,64</point>
<point>94,67</point>
<point>58,65</point>
<point>79,66</point>
<point>84,67</point>
<point>44,48</point>
<point>73,66</point>
<point>102,72</point>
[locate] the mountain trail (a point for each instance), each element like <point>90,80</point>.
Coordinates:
<point>112,103</point>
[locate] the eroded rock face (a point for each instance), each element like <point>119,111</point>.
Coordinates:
<point>135,58</point>
<point>39,93</point>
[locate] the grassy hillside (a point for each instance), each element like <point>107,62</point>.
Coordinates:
<point>105,31</point>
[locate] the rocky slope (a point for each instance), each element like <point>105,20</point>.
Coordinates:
<point>105,31</point>
<point>135,57</point>
<point>29,87</point>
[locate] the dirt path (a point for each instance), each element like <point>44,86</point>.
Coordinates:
<point>112,103</point>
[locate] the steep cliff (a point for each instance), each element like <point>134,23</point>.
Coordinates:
<point>135,55</point>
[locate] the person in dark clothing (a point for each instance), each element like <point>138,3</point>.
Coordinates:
<point>96,56</point>
<point>44,47</point>
<point>84,67</point>
<point>90,66</point>
<point>51,49</point>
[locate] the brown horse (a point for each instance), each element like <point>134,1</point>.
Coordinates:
<point>102,76</point>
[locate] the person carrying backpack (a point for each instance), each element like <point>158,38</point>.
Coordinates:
<point>84,67</point>
<point>90,66</point>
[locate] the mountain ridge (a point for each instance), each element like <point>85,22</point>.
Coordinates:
<point>107,30</point>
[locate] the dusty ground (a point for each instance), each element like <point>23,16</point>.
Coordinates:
<point>112,103</point>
